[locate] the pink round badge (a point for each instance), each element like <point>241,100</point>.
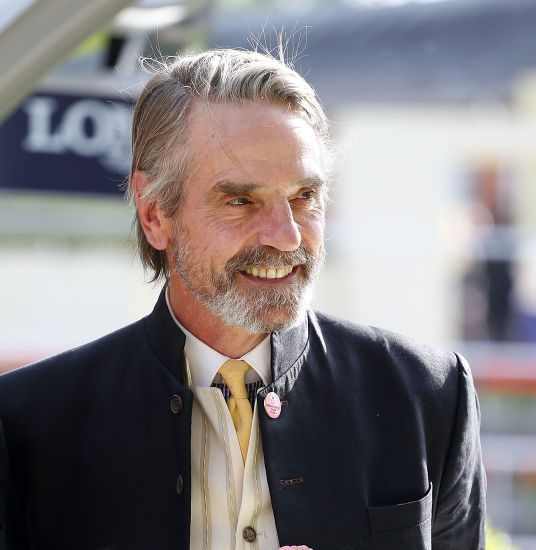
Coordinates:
<point>272,405</point>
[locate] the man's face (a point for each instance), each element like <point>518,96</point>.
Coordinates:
<point>248,239</point>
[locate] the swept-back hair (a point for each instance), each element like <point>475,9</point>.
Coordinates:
<point>160,124</point>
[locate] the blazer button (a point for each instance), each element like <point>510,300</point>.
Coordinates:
<point>249,534</point>
<point>180,485</point>
<point>176,404</point>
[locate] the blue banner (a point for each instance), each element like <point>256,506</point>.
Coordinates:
<point>67,143</point>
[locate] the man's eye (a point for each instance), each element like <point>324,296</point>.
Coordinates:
<point>239,201</point>
<point>307,194</point>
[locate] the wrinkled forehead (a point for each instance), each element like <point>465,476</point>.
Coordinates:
<point>253,128</point>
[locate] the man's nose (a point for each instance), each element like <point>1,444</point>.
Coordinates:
<point>278,228</point>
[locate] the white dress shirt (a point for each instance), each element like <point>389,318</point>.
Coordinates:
<point>227,495</point>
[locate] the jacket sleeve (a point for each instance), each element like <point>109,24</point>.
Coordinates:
<point>12,533</point>
<point>460,514</point>
<point>4,477</point>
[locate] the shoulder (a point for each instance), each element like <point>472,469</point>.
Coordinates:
<point>375,339</point>
<point>79,366</point>
<point>386,354</point>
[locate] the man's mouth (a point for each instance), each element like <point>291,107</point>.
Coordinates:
<point>269,272</point>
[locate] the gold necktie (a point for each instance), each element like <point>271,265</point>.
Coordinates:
<point>233,372</point>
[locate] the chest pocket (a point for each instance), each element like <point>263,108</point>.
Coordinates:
<point>406,526</point>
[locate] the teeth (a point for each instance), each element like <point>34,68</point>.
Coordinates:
<point>268,273</point>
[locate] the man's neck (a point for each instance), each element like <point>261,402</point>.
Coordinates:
<point>230,341</point>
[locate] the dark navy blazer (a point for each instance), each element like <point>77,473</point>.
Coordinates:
<point>376,447</point>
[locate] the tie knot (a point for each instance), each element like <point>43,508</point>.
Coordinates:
<point>233,372</point>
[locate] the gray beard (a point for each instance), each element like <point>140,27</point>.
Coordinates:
<point>237,310</point>
<point>257,310</point>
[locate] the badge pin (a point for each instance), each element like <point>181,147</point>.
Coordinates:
<point>272,405</point>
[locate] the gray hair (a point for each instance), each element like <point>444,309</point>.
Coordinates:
<point>160,124</point>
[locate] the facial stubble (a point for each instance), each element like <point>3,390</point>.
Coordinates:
<point>258,310</point>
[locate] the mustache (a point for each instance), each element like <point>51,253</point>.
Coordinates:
<point>268,256</point>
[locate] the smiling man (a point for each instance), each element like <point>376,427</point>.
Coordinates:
<point>248,241</point>
<point>233,417</point>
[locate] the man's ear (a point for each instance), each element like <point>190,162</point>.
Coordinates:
<point>155,225</point>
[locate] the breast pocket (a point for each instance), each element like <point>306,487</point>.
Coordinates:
<point>406,526</point>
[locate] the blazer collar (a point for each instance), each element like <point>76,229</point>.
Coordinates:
<point>289,350</point>
<point>165,338</point>
<point>167,342</point>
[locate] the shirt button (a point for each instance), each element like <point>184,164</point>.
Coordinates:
<point>180,485</point>
<point>249,534</point>
<point>176,404</point>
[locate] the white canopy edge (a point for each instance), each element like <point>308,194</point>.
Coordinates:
<point>41,37</point>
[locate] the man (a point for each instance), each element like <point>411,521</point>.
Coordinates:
<point>146,438</point>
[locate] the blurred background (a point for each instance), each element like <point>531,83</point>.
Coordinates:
<point>432,228</point>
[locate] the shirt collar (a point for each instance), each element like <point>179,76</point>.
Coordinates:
<point>204,362</point>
